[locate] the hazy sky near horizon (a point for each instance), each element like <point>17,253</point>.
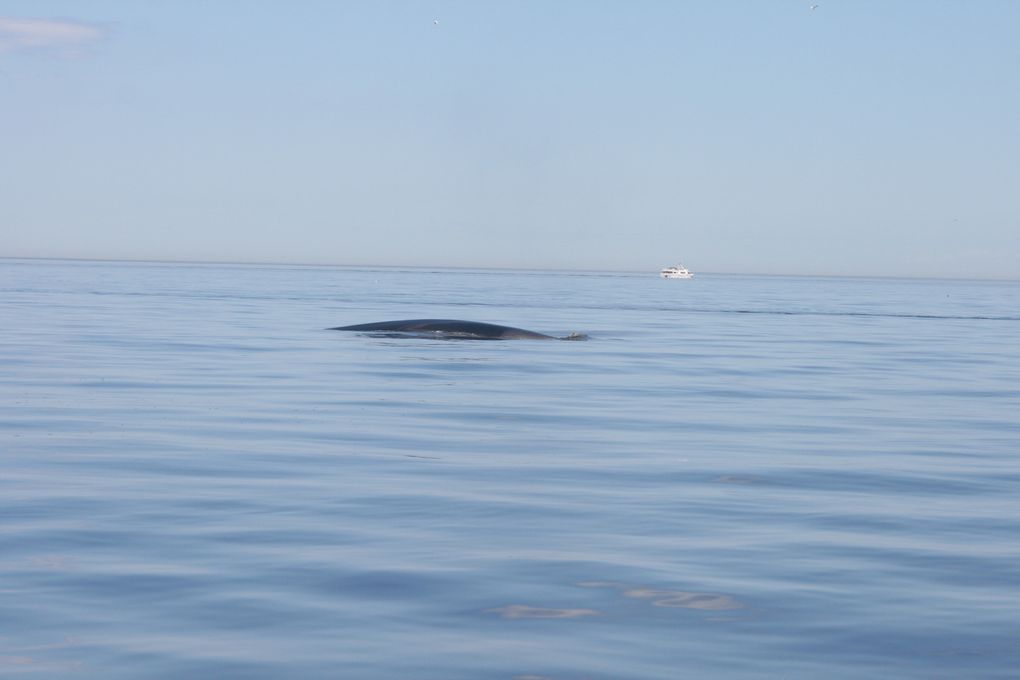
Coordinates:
<point>860,137</point>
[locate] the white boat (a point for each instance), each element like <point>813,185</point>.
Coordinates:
<point>677,272</point>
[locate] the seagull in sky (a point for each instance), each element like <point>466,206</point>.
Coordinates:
<point>814,7</point>
<point>435,22</point>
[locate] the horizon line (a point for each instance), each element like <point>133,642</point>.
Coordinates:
<point>270,263</point>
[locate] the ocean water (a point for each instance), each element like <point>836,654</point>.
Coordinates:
<point>735,477</point>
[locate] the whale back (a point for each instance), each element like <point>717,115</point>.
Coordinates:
<point>447,328</point>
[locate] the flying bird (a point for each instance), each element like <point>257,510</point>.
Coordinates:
<point>814,7</point>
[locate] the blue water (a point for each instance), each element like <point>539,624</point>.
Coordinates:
<point>735,477</point>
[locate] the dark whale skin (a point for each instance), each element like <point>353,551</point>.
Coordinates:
<point>451,328</point>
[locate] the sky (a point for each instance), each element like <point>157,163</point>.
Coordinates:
<point>858,137</point>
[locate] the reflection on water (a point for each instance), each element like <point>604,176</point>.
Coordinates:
<point>739,479</point>
<point>523,611</point>
<point>657,596</point>
<point>670,598</point>
<point>29,659</point>
<point>40,562</point>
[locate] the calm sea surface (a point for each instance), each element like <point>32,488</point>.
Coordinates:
<point>735,477</point>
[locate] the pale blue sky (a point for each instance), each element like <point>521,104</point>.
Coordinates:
<point>862,137</point>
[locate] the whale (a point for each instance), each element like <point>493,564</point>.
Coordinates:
<point>452,329</point>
